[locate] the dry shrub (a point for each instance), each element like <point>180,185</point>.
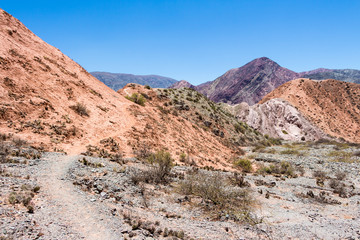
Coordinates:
<point>340,175</point>
<point>320,174</point>
<point>217,196</point>
<point>159,171</point>
<point>239,180</point>
<point>80,109</point>
<point>143,151</point>
<point>19,142</point>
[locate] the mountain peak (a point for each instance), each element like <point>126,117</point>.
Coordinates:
<point>248,83</point>
<point>182,84</point>
<point>262,61</point>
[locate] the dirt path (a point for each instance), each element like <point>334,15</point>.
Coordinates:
<point>65,212</point>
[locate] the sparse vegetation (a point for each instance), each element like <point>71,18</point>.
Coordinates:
<point>137,98</point>
<point>290,151</point>
<point>89,163</point>
<point>80,109</point>
<point>283,168</point>
<point>244,164</point>
<point>239,180</point>
<point>340,175</point>
<point>341,156</point>
<point>222,200</point>
<point>159,171</point>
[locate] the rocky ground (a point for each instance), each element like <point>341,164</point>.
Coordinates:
<point>292,191</point>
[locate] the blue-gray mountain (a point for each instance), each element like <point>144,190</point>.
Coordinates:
<point>346,75</point>
<point>117,81</point>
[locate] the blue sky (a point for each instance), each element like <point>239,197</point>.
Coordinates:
<point>196,40</point>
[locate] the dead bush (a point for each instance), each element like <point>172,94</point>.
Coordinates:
<point>320,174</point>
<point>239,180</point>
<point>217,196</point>
<point>80,109</point>
<point>143,151</point>
<point>340,175</point>
<point>19,142</point>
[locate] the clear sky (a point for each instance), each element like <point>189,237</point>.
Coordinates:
<point>196,40</point>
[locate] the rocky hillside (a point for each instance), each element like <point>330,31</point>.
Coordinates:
<point>117,81</point>
<point>182,84</point>
<point>249,83</point>
<point>334,106</point>
<point>185,121</point>
<point>278,119</point>
<point>53,103</point>
<point>346,75</point>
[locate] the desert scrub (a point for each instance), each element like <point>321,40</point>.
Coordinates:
<point>162,164</point>
<point>80,109</point>
<point>183,157</point>
<point>90,164</point>
<point>159,170</point>
<point>137,98</point>
<point>290,152</point>
<point>219,199</point>
<point>283,168</point>
<point>24,198</point>
<point>320,174</point>
<point>341,156</point>
<point>244,164</point>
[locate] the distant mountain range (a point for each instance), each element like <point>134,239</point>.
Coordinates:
<point>346,75</point>
<point>117,81</point>
<point>251,82</point>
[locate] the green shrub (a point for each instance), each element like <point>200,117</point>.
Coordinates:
<point>284,132</point>
<point>162,164</point>
<point>183,157</point>
<point>283,168</point>
<point>244,164</point>
<point>239,128</point>
<point>137,98</point>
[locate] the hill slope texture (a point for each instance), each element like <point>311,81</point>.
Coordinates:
<point>278,119</point>
<point>52,102</point>
<point>332,105</point>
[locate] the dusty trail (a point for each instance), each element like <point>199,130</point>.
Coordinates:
<point>66,213</point>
